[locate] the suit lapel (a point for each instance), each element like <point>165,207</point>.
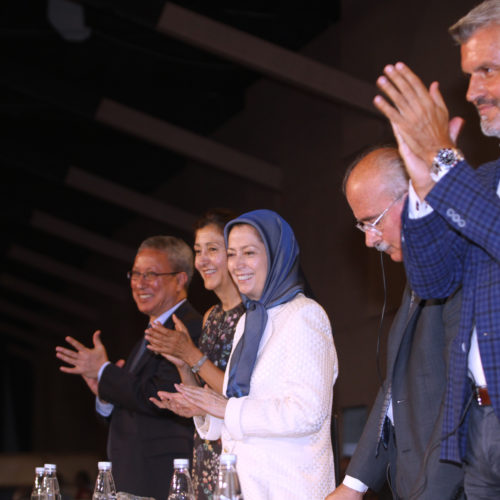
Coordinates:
<point>413,308</point>
<point>401,326</point>
<point>169,323</point>
<point>142,360</point>
<point>404,317</point>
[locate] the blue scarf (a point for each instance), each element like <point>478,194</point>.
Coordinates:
<point>283,282</point>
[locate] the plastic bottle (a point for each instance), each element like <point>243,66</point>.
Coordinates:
<point>104,485</point>
<point>181,487</point>
<point>38,492</point>
<point>228,483</point>
<point>50,483</point>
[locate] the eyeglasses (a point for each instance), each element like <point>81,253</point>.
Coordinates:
<point>148,276</point>
<point>372,226</point>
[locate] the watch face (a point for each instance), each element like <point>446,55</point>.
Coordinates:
<point>447,157</point>
<point>444,160</point>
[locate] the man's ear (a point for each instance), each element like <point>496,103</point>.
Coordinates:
<point>182,279</point>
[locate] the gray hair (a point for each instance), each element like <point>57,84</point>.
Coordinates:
<point>178,252</point>
<point>387,160</point>
<point>485,14</point>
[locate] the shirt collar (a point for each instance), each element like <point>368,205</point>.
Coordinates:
<point>163,317</point>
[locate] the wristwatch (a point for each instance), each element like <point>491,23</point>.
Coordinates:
<point>445,159</point>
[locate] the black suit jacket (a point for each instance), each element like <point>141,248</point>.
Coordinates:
<point>143,440</point>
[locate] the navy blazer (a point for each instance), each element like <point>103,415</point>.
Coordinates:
<point>143,440</point>
<point>459,245</point>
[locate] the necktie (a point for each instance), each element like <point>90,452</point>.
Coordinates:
<point>138,354</point>
<point>384,426</point>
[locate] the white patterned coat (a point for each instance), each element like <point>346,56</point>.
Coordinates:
<point>280,432</point>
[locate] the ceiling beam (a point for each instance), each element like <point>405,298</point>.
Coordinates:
<point>188,144</point>
<point>47,297</point>
<point>21,334</point>
<point>38,320</point>
<point>68,273</point>
<point>127,198</point>
<point>265,57</point>
<point>82,237</point>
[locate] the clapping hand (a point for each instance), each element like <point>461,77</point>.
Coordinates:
<point>205,398</point>
<point>85,361</point>
<point>420,121</point>
<point>167,342</point>
<point>177,403</point>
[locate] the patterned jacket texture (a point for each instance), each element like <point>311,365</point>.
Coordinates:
<point>459,244</point>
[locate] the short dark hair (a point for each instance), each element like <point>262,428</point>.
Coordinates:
<point>218,217</point>
<point>178,253</point>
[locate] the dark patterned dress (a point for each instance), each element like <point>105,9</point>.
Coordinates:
<point>216,341</point>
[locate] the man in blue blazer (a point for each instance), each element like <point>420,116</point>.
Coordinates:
<point>143,440</point>
<point>401,438</point>
<point>452,237</point>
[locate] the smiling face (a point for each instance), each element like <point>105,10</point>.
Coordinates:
<point>210,258</point>
<point>247,260</point>
<point>481,60</point>
<point>155,297</point>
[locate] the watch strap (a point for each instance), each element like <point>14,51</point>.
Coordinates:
<point>196,367</point>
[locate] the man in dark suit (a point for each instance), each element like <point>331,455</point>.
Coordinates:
<point>401,438</point>
<point>143,440</point>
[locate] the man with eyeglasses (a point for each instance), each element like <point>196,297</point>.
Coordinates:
<point>400,441</point>
<point>142,439</point>
<point>452,235</point>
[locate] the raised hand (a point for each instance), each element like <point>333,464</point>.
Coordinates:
<point>84,361</point>
<point>420,115</point>
<point>177,343</point>
<point>420,121</point>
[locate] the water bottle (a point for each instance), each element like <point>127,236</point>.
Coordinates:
<point>50,483</point>
<point>38,493</point>
<point>181,487</point>
<point>104,485</point>
<point>228,483</point>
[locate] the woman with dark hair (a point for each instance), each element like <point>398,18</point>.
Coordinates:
<point>276,410</point>
<point>207,362</point>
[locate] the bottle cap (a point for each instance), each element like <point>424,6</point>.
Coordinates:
<point>104,465</point>
<point>39,470</point>
<point>228,459</point>
<point>50,467</point>
<point>181,463</point>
